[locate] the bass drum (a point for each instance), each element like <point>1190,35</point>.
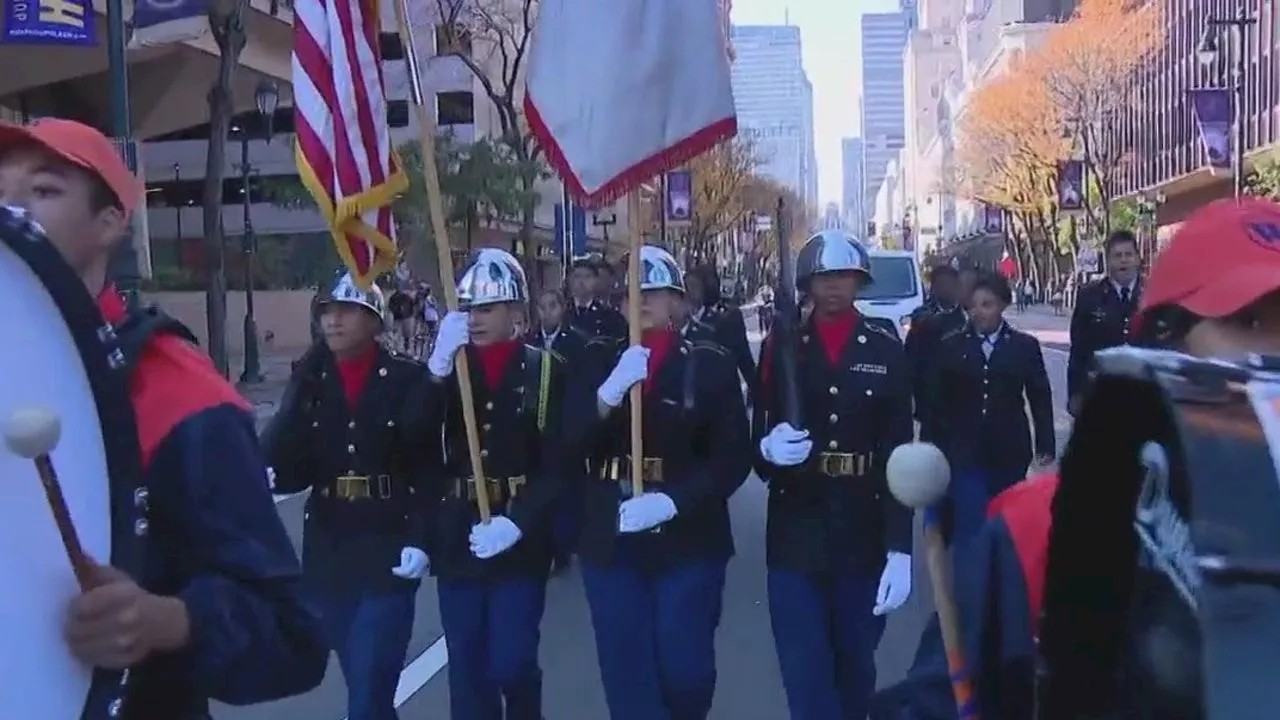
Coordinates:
<point>62,357</point>
<point>1160,597</point>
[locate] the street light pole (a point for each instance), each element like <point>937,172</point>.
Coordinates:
<point>1208,55</point>
<point>267,98</point>
<point>123,267</point>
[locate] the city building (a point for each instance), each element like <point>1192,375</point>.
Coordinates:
<point>884,38</point>
<point>1169,164</point>
<point>774,101</point>
<point>852,188</point>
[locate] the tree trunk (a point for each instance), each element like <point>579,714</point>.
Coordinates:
<point>227,25</point>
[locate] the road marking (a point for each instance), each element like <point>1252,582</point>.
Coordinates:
<point>419,672</point>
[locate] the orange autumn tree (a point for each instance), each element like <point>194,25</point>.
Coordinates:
<point>1089,66</point>
<point>1008,149</point>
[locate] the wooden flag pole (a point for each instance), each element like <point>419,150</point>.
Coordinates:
<point>435,206</point>
<point>635,229</point>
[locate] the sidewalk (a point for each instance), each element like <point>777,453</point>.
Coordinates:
<point>1051,330</point>
<point>265,396</point>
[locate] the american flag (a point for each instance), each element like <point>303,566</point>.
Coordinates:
<point>344,152</point>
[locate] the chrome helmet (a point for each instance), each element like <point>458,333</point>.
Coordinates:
<point>658,270</point>
<point>492,276</point>
<point>345,290</point>
<point>832,251</point>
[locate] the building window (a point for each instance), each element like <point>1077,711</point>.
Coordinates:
<point>455,108</point>
<point>190,193</point>
<point>453,39</point>
<point>390,47</point>
<point>398,113</point>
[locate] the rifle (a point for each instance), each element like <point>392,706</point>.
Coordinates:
<point>786,316</point>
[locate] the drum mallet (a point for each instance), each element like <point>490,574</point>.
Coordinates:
<point>918,476</point>
<point>33,433</point>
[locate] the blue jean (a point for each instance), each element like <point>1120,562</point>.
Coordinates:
<point>655,637</point>
<point>826,638</point>
<point>492,630</point>
<point>370,634</point>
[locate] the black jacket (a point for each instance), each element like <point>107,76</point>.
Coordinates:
<point>1099,321</point>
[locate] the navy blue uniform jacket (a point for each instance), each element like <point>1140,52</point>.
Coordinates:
<point>998,581</point>
<point>216,542</point>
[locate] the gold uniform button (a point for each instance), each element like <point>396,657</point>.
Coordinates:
<point>488,406</point>
<point>833,390</point>
<point>351,449</point>
<point>315,423</point>
<point>833,445</point>
<point>391,423</point>
<point>382,372</point>
<point>484,453</point>
<point>833,419</point>
<point>352,425</point>
<point>486,427</point>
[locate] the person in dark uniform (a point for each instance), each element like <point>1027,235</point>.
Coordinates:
<point>838,544</point>
<point>730,330</point>
<point>586,311</point>
<point>982,380</point>
<point>943,313</point>
<point>350,429</point>
<point>690,327</point>
<point>653,565</point>
<point>551,334</point>
<point>213,607</point>
<point>1103,308</point>
<point>491,576</point>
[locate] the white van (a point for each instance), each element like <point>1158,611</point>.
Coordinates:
<point>897,291</point>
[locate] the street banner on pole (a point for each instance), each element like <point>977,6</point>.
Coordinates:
<point>1071,186</point>
<point>344,152</point>
<point>992,219</point>
<point>1213,113</point>
<point>678,203</point>
<point>166,22</point>
<point>620,92</point>
<point>573,244</point>
<point>49,22</point>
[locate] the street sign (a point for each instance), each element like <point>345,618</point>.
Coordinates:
<point>764,223</point>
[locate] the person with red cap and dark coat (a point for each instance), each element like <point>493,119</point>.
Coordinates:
<point>214,608</point>
<point>351,428</point>
<point>838,543</point>
<point>1214,292</point>
<point>491,575</point>
<point>653,564</point>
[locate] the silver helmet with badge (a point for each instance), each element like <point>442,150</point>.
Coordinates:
<point>658,270</point>
<point>832,251</point>
<point>492,276</point>
<point>346,291</point>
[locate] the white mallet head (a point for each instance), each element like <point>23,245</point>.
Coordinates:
<point>918,474</point>
<point>32,431</point>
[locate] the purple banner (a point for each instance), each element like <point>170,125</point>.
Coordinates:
<point>1071,186</point>
<point>1212,109</point>
<point>49,22</point>
<point>679,200</point>
<point>992,219</point>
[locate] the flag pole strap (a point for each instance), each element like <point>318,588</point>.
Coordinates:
<point>635,229</point>
<point>435,205</point>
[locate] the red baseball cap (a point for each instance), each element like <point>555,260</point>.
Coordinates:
<point>81,146</point>
<point>1224,258</point>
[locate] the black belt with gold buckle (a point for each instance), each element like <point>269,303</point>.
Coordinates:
<point>839,465</point>
<point>500,489</point>
<point>359,487</point>
<point>619,469</point>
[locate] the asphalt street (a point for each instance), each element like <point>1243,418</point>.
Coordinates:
<point>749,686</point>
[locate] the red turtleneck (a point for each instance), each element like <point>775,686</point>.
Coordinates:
<point>834,331</point>
<point>111,305</point>
<point>354,373</point>
<point>495,358</point>
<point>659,343</point>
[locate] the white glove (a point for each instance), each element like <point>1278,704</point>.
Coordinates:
<point>271,479</point>
<point>413,564</point>
<point>632,367</point>
<point>451,337</point>
<point>647,511</point>
<point>786,446</point>
<point>494,537</point>
<point>895,584</point>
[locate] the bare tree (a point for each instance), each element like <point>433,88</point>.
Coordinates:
<point>492,38</point>
<point>226,22</point>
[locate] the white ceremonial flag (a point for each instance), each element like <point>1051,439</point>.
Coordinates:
<point>620,92</point>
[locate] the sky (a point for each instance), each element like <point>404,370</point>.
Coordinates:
<point>830,37</point>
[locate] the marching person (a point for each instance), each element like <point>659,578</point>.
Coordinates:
<point>568,342</point>
<point>690,327</point>
<point>1213,292</point>
<point>350,428</point>
<point>1103,308</point>
<point>942,314</point>
<point>216,608</point>
<point>587,311</point>
<point>981,381</point>
<point>727,324</point>
<point>654,565</point>
<point>491,576</point>
<point>838,544</point>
